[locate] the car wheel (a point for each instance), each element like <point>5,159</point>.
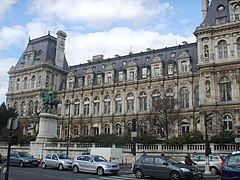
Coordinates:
<point>213,170</point>
<point>21,164</point>
<point>44,166</point>
<point>60,167</point>
<point>139,174</point>
<point>100,171</point>
<point>174,175</point>
<point>75,169</point>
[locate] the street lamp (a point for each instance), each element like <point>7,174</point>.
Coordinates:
<point>68,104</point>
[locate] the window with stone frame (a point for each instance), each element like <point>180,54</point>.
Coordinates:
<point>107,105</point>
<point>25,83</point>
<point>96,106</point>
<point>196,96</point>
<point>227,122</point>
<point>118,129</point>
<point>144,72</point>
<point>184,98</point>
<point>31,108</point>
<point>85,130</point>
<point>170,69</point>
<point>67,107</point>
<point>86,104</point>
<point>99,79</point>
<point>184,66</point>
<point>33,81</point>
<point>95,129</point>
<point>155,97</point>
<point>129,127</point>
<point>222,49</point>
<point>89,80</point>
<point>143,102</point>
<point>143,128</point>
<point>238,46</point>
<point>237,12</point>
<point>66,131</point>
<point>118,104</point>
<point>225,88</point>
<point>106,129</point>
<point>23,109</point>
<point>120,76</point>
<point>77,107</point>
<point>157,71</point>
<point>130,103</point>
<point>18,84</point>
<point>109,77</point>
<point>76,130</point>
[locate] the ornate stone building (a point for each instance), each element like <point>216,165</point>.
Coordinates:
<point>104,95</point>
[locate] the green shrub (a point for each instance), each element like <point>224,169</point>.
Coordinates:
<point>223,137</point>
<point>26,139</point>
<point>187,138</point>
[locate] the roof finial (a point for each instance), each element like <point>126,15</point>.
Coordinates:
<point>48,32</point>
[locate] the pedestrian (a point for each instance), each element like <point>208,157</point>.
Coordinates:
<point>189,161</point>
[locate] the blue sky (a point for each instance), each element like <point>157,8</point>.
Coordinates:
<point>94,27</point>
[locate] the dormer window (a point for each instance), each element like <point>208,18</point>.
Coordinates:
<point>237,12</point>
<point>170,69</point>
<point>184,66</point>
<point>109,77</point>
<point>220,20</point>
<point>144,72</point>
<point>99,79</point>
<point>120,76</point>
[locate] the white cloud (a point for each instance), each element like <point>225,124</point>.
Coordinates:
<point>5,65</point>
<point>5,5</point>
<point>100,13</point>
<point>81,47</point>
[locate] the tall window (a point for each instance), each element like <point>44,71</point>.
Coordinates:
<point>76,130</point>
<point>120,76</point>
<point>130,103</point>
<point>237,12</point>
<point>76,107</point>
<point>95,129</point>
<point>184,98</point>
<point>222,49</point>
<point>67,107</point>
<point>118,103</point>
<point>185,126</point>
<point>33,81</point>
<point>238,47</point>
<point>156,71</point>
<point>96,105</point>
<point>89,80</point>
<point>131,75</point>
<point>225,89</point>
<point>143,101</point>
<point>85,130</point>
<point>66,130</point>
<point>18,84</point>
<point>23,109</point>
<point>118,129</point>
<point>155,98</point>
<point>31,108</point>
<point>170,95</point>
<point>184,66</point>
<point>196,96</point>
<point>143,128</point>
<point>109,77</point>
<point>170,69</point>
<point>106,129</point>
<point>144,72</point>
<point>227,122</point>
<point>129,127</point>
<point>99,79</point>
<point>86,106</point>
<point>107,105</point>
<point>25,81</point>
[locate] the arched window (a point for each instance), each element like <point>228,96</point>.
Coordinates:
<point>118,103</point>
<point>227,122</point>
<point>96,105</point>
<point>196,97</point>
<point>33,81</point>
<point>184,98</point>
<point>155,97</point>
<point>143,128</point>
<point>76,130</point>
<point>129,127</point>
<point>25,81</point>
<point>95,129</point>
<point>130,103</point>
<point>85,130</point>
<point>198,124</point>
<point>67,107</point>
<point>18,84</point>
<point>143,101</point>
<point>107,105</point>
<point>118,129</point>
<point>106,129</point>
<point>30,108</point>
<point>66,131</point>
<point>76,107</point>
<point>222,49</point>
<point>225,89</point>
<point>238,47</point>
<point>23,109</point>
<point>59,108</point>
<point>185,126</point>
<point>86,106</point>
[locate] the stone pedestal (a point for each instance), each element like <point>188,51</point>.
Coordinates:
<point>47,127</point>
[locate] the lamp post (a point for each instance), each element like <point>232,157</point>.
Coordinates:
<point>68,127</point>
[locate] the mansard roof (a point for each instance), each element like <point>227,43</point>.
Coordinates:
<point>142,59</point>
<point>213,13</point>
<point>41,50</point>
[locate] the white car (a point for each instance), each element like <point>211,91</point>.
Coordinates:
<point>94,164</point>
<point>60,161</point>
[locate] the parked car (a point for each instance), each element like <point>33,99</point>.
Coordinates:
<point>230,169</point>
<point>94,164</point>
<point>215,162</point>
<point>22,159</point>
<point>54,160</point>
<point>164,167</point>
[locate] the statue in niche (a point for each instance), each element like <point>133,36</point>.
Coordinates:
<point>49,101</point>
<point>206,51</point>
<point>208,89</point>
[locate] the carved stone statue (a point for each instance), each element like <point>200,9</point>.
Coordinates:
<point>49,101</point>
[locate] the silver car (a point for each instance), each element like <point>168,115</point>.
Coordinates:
<point>60,161</point>
<point>94,164</point>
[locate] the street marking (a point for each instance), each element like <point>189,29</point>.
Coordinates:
<point>25,172</point>
<point>57,177</point>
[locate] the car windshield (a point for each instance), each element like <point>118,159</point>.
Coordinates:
<point>24,154</point>
<point>99,159</point>
<point>63,156</point>
<point>171,160</point>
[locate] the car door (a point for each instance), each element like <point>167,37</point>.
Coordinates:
<point>86,164</point>
<point>147,166</point>
<point>54,161</point>
<point>48,159</point>
<point>161,169</point>
<point>14,158</point>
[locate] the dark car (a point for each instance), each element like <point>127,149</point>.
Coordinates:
<point>164,167</point>
<point>231,167</point>
<point>22,159</point>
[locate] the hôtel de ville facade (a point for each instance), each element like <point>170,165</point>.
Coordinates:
<point>102,96</point>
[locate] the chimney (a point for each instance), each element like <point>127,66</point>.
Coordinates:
<point>205,5</point>
<point>59,59</point>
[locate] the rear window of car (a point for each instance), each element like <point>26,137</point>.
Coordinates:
<point>234,161</point>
